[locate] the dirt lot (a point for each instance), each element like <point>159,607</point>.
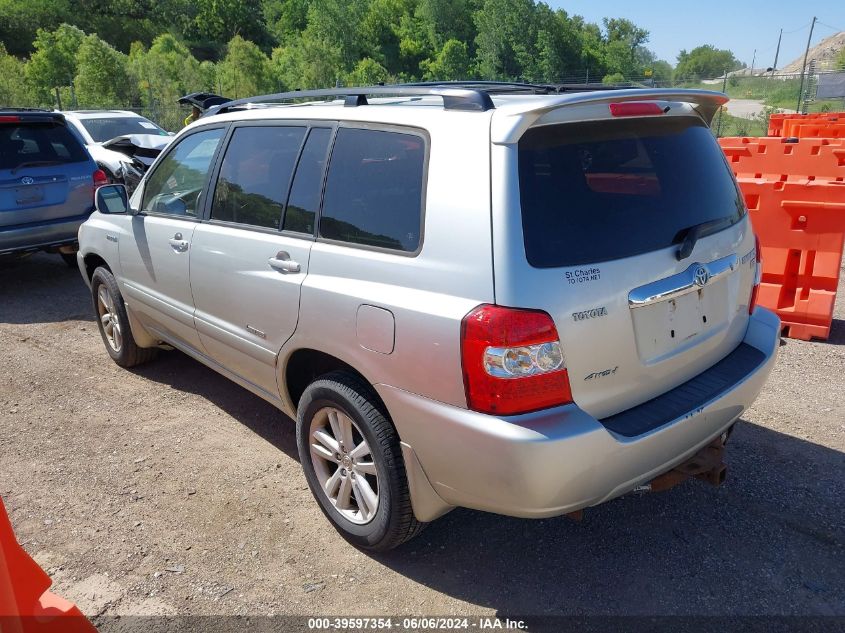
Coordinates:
<point>169,490</point>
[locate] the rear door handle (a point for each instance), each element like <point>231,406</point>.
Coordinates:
<point>179,245</point>
<point>283,263</point>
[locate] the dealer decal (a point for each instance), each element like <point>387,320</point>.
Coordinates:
<point>589,314</point>
<point>583,275</point>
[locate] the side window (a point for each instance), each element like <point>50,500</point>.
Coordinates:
<point>255,175</point>
<point>175,187</point>
<point>374,189</point>
<point>305,193</point>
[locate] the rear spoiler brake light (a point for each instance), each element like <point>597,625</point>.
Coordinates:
<point>636,108</point>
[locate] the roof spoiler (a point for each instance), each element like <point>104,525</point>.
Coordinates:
<point>512,121</point>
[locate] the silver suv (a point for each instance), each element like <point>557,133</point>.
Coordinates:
<point>521,299</point>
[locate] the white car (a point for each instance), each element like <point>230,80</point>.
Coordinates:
<point>520,299</point>
<point>115,137</point>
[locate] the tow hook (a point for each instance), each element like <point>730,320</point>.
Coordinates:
<point>706,464</point>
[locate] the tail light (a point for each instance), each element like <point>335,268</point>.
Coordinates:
<point>635,108</point>
<point>9,118</point>
<point>100,178</point>
<point>758,275</point>
<point>512,361</point>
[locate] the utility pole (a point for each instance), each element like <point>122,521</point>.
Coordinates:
<point>804,65</point>
<point>724,87</point>
<point>753,59</point>
<point>777,52</point>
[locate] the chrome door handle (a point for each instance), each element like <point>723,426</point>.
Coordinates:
<point>283,263</point>
<point>179,245</point>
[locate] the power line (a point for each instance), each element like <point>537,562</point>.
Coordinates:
<point>832,28</point>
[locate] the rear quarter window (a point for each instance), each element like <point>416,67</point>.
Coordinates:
<point>38,142</point>
<point>604,190</point>
<point>374,189</point>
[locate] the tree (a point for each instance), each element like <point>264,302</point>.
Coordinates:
<point>506,36</point>
<point>624,50</point>
<point>285,19</point>
<point>367,72</point>
<point>54,61</point>
<point>13,88</point>
<point>704,62</point>
<point>102,79</point>
<point>244,71</point>
<point>557,46</point>
<point>840,60</point>
<point>167,71</point>
<point>451,64</point>
<point>20,21</point>
<point>307,62</point>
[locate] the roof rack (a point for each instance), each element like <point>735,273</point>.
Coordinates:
<point>454,98</point>
<point>517,87</point>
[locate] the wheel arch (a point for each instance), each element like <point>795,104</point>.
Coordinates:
<point>305,364</point>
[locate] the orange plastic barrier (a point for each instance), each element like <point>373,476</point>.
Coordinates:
<point>786,159</point>
<point>814,130</point>
<point>801,227</point>
<point>25,604</point>
<point>780,124</point>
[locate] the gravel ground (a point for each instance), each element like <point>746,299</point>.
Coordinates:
<point>170,490</point>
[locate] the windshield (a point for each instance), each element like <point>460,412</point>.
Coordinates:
<point>105,129</point>
<point>603,190</point>
<point>38,144</point>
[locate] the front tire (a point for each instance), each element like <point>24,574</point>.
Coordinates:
<point>350,453</point>
<point>113,322</point>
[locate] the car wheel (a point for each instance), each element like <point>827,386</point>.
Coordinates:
<point>350,453</point>
<point>69,259</point>
<point>114,322</point>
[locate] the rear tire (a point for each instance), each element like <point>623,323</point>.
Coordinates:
<point>358,452</point>
<point>113,322</point>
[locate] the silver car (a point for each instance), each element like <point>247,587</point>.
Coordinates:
<point>526,300</point>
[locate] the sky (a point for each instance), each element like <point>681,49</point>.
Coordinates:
<point>738,25</point>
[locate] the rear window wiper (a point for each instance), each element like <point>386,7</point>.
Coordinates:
<point>694,232</point>
<point>36,163</point>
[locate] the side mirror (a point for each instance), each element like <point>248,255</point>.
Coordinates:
<point>112,199</point>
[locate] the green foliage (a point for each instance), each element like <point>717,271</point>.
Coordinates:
<point>14,90</point>
<point>54,61</point>
<point>245,70</point>
<point>102,79</point>
<point>451,64</point>
<point>148,53</point>
<point>19,22</point>
<point>704,62</point>
<point>840,60</point>
<point>613,78</point>
<point>366,73</point>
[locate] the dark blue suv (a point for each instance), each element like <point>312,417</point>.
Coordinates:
<point>47,183</point>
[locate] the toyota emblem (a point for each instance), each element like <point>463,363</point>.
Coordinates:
<point>27,180</point>
<point>701,276</point>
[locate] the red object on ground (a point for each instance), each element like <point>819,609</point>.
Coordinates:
<point>25,604</point>
<point>801,227</point>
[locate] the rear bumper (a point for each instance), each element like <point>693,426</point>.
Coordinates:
<point>40,235</point>
<point>559,460</point>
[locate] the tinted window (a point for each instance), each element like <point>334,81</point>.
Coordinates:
<point>38,142</point>
<point>374,189</point>
<point>305,193</point>
<point>175,187</point>
<point>604,190</point>
<point>255,175</point>
<point>105,129</point>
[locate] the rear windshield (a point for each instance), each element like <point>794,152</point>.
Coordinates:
<point>105,129</point>
<point>603,190</point>
<point>47,143</point>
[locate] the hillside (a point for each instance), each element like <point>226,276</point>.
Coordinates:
<point>824,53</point>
